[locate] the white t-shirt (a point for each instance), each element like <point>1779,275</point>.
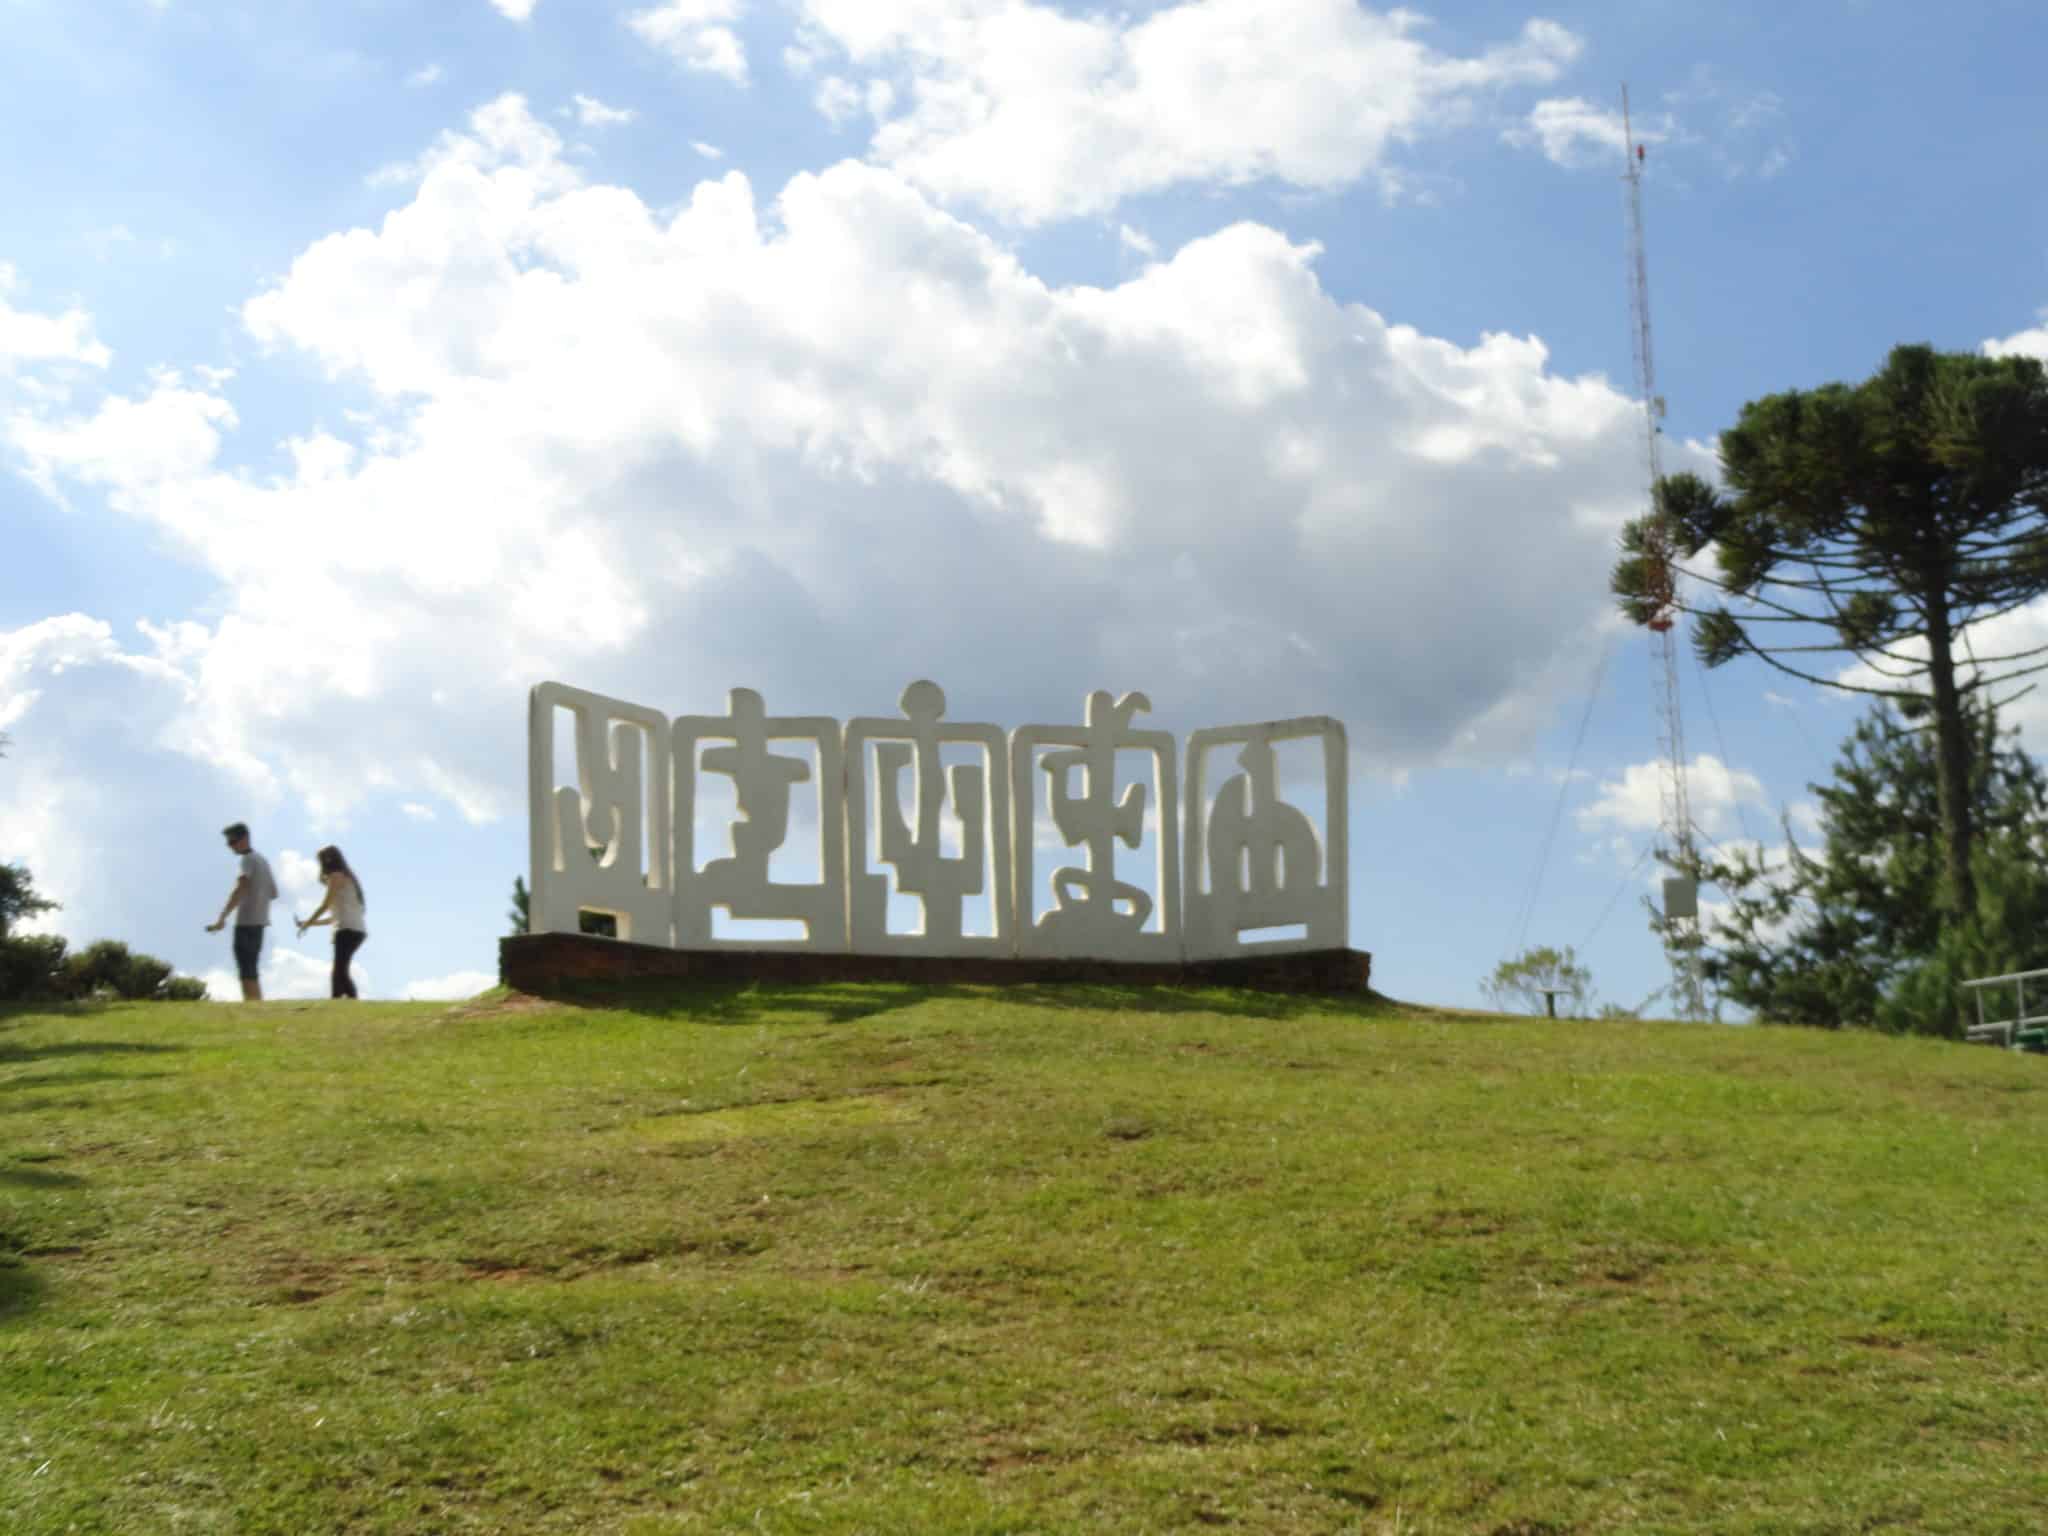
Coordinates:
<point>347,906</point>
<point>259,890</point>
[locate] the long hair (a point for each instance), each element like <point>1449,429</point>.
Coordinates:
<point>331,860</point>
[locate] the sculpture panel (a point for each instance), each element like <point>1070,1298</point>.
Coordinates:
<point>604,845</point>
<point>762,783</point>
<point>896,823</point>
<point>1254,862</point>
<point>978,797</point>
<point>1095,914</point>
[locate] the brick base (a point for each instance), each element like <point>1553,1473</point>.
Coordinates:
<point>541,963</point>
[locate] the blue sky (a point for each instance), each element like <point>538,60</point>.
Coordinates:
<point>363,363</point>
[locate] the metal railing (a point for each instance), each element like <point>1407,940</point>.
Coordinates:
<point>2006,1031</point>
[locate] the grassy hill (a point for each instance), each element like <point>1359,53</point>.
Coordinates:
<point>904,1261</point>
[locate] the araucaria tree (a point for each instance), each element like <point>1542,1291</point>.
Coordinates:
<point>1875,522</point>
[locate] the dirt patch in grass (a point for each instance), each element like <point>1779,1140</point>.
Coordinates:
<point>500,1003</point>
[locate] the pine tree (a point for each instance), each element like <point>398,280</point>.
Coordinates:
<point>1832,935</point>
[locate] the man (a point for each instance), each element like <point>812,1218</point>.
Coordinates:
<point>250,902</point>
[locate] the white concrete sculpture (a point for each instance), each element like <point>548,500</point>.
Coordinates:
<point>1096,915</point>
<point>762,782</point>
<point>1260,876</point>
<point>1253,862</point>
<point>979,799</point>
<point>603,846</point>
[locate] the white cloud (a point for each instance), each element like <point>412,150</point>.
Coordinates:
<point>414,811</point>
<point>1037,114</point>
<point>430,74</point>
<point>129,446</point>
<point>1572,131</point>
<point>288,974</point>
<point>1733,123</point>
<point>1729,128</point>
<point>450,988</point>
<point>605,438</point>
<point>697,34</point>
<point>514,10</point>
<point>708,151</point>
<point>503,137</point>
<point>2010,635</point>
<point>298,880</point>
<point>592,113</point>
<point>82,709</point>
<point>1136,241</point>
<point>29,337</point>
<point>1634,802</point>
<point>2031,343</point>
<point>837,98</point>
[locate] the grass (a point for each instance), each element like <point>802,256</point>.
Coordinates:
<point>905,1260</point>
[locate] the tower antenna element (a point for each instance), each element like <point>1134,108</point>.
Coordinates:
<point>1681,890</point>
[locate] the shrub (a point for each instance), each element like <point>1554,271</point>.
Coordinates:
<point>29,966</point>
<point>109,968</point>
<point>2004,935</point>
<point>184,989</point>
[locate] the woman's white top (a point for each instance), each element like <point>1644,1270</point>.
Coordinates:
<point>348,904</point>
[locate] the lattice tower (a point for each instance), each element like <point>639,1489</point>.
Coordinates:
<point>1674,809</point>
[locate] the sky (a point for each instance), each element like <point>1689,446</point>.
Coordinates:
<point>363,364</point>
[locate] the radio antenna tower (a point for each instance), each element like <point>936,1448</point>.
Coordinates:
<point>1675,844</point>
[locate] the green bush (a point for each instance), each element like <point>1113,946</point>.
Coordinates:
<point>35,967</point>
<point>109,966</point>
<point>29,966</point>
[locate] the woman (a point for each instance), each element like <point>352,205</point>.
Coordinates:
<point>343,907</point>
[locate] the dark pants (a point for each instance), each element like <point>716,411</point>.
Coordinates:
<point>346,942</point>
<point>248,947</point>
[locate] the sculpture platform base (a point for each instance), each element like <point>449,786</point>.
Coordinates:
<point>546,963</point>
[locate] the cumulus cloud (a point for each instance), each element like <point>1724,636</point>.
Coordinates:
<point>298,879</point>
<point>2009,634</point>
<point>697,34</point>
<point>76,703</point>
<point>1706,122</point>
<point>28,336</point>
<point>429,74</point>
<point>592,113</point>
<point>2030,343</point>
<point>450,988</point>
<point>1038,114</point>
<point>1571,131</point>
<point>1634,802</point>
<point>288,974</point>
<point>129,447</point>
<point>514,10</point>
<point>817,448</point>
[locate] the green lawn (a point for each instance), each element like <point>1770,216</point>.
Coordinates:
<point>904,1261</point>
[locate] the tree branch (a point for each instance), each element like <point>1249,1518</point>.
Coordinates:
<point>1828,682</point>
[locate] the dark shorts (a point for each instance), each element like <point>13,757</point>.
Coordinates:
<point>248,945</point>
